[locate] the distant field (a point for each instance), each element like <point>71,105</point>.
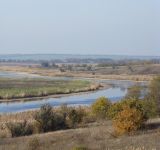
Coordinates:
<point>136,73</point>
<point>25,88</point>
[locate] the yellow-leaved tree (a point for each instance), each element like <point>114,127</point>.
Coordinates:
<point>127,120</point>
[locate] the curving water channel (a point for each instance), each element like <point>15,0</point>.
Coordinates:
<point>117,91</point>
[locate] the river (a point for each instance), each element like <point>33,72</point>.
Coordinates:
<point>116,92</point>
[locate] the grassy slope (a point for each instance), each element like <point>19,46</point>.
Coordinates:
<point>96,137</point>
<point>10,88</point>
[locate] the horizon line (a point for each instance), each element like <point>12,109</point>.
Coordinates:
<point>129,55</point>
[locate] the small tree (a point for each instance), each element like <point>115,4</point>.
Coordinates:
<point>100,107</point>
<point>45,118</point>
<point>75,116</point>
<point>128,120</point>
<point>20,129</point>
<point>48,120</point>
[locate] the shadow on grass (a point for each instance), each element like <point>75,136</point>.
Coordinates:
<point>152,126</point>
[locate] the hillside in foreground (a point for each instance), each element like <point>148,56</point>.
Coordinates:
<point>96,136</point>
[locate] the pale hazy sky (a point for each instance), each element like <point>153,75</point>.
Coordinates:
<point>130,27</point>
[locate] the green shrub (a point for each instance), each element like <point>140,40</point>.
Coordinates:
<point>20,129</point>
<point>59,121</point>
<point>47,120</point>
<point>100,107</point>
<point>150,108</point>
<point>114,109</point>
<point>75,117</point>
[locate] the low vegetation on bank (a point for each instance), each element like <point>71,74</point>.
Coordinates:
<point>28,88</point>
<point>101,120</point>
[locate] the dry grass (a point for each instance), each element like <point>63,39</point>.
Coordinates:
<point>29,88</point>
<point>97,136</point>
<point>17,117</point>
<point>101,75</point>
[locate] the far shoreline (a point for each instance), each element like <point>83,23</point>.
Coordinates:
<point>43,72</point>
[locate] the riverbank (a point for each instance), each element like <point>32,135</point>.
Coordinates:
<point>99,87</point>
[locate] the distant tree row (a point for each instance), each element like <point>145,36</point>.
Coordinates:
<point>101,61</point>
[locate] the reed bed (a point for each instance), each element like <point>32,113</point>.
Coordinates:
<point>28,88</point>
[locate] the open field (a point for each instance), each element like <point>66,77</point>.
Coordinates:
<point>28,88</point>
<point>96,136</point>
<point>138,73</point>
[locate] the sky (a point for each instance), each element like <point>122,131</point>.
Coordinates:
<point>113,27</point>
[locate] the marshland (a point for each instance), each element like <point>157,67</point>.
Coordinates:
<point>29,88</point>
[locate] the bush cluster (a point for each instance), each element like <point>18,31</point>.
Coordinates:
<point>131,103</point>
<point>20,129</point>
<point>100,107</point>
<point>128,115</point>
<point>75,117</point>
<point>128,120</point>
<point>46,119</point>
<point>66,117</point>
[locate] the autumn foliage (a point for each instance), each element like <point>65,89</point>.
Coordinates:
<point>127,120</point>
